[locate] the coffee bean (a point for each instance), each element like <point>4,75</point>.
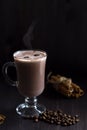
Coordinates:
<point>45,114</point>
<point>58,123</point>
<point>69,116</point>
<point>64,124</point>
<point>73,122</point>
<point>55,113</point>
<point>57,117</point>
<point>76,116</point>
<point>36,120</point>
<point>65,115</point>
<point>77,120</point>
<point>51,121</point>
<point>44,118</point>
<point>73,117</point>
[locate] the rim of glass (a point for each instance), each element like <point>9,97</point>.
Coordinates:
<point>37,50</point>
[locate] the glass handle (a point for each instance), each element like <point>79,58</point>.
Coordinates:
<point>5,73</point>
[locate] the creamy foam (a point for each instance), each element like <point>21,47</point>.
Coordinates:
<point>30,55</point>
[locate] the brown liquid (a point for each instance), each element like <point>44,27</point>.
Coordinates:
<point>30,72</point>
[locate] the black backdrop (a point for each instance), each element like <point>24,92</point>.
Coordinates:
<point>56,26</point>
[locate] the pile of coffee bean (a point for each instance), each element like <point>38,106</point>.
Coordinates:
<point>57,117</point>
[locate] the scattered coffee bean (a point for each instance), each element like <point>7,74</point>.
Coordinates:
<point>57,117</point>
<point>77,120</point>
<point>76,116</point>
<point>36,120</point>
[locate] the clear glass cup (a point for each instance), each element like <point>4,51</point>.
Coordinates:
<point>30,67</point>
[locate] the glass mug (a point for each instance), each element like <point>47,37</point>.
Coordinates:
<point>30,68</point>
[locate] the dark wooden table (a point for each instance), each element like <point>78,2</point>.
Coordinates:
<point>10,98</point>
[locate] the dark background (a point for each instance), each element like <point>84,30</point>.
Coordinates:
<point>57,26</point>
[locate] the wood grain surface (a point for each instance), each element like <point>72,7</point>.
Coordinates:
<point>10,98</point>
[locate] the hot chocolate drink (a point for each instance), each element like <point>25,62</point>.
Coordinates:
<point>30,67</point>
